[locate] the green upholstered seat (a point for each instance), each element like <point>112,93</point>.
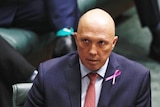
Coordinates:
<point>20,92</point>
<point>25,41</point>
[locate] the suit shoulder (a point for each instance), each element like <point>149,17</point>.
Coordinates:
<point>59,62</point>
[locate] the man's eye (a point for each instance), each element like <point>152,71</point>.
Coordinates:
<point>85,40</point>
<point>101,42</point>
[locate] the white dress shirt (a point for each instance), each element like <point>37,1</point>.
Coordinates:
<point>85,81</point>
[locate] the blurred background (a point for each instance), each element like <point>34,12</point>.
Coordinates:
<point>134,41</point>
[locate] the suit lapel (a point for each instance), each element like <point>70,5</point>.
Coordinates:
<point>74,82</point>
<point>108,89</point>
<point>73,77</point>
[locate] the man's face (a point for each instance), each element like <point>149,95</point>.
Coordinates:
<point>94,46</point>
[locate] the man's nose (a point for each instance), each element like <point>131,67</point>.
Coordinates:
<point>93,50</point>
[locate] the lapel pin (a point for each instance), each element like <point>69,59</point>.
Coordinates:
<point>116,73</point>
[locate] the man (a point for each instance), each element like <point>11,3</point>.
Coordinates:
<point>148,11</point>
<point>43,16</point>
<point>63,81</point>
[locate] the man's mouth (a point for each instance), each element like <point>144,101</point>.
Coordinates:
<point>91,61</point>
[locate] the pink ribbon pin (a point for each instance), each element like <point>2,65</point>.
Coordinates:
<point>117,73</point>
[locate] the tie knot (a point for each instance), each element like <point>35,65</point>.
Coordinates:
<point>92,76</point>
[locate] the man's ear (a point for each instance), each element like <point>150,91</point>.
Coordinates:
<point>114,41</point>
<point>75,36</point>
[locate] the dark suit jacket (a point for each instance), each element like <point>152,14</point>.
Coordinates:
<point>39,15</point>
<point>58,84</point>
<point>148,11</point>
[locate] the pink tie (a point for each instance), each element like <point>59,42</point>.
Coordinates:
<point>90,99</point>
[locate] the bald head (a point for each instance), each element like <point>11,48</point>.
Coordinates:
<point>97,19</point>
<point>95,38</point>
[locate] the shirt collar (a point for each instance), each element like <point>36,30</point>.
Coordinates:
<point>101,72</point>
